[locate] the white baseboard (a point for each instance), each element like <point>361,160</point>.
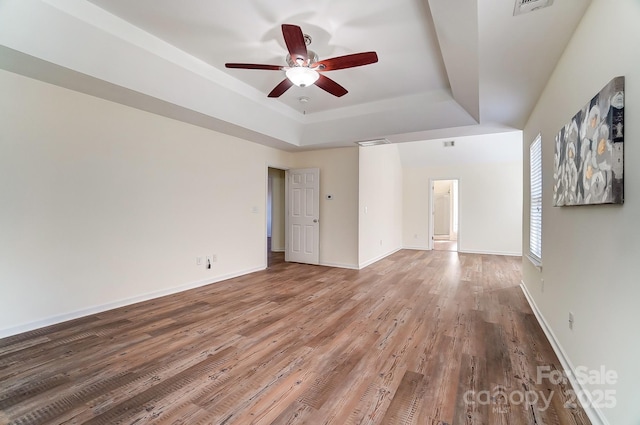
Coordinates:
<point>417,247</point>
<point>378,258</point>
<point>340,266</point>
<point>507,253</point>
<point>594,413</point>
<point>59,318</point>
<point>426,248</point>
<point>277,249</point>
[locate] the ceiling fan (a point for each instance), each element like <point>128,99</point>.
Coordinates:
<point>304,67</point>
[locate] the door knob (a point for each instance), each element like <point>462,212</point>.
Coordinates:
<point>315,220</point>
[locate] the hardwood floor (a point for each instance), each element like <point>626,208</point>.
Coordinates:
<point>445,245</point>
<point>421,337</point>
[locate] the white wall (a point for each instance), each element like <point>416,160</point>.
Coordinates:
<point>103,204</point>
<point>380,201</point>
<point>590,254</point>
<point>490,206</point>
<point>338,216</point>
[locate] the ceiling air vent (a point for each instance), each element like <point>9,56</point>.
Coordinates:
<point>367,143</point>
<point>449,143</point>
<point>526,6</point>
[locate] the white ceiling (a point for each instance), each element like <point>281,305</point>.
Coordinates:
<point>249,31</point>
<point>446,69</point>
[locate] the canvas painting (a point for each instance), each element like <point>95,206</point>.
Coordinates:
<point>589,161</point>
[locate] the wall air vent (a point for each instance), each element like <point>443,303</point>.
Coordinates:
<point>449,143</point>
<point>526,6</point>
<point>367,143</point>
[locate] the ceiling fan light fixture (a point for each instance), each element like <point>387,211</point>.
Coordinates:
<point>303,65</point>
<point>302,76</point>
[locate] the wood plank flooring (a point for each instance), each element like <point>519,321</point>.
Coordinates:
<point>445,245</point>
<point>421,337</point>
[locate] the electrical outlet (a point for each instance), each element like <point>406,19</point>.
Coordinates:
<point>214,258</point>
<point>571,320</point>
<point>198,261</point>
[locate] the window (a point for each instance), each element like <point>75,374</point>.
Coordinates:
<point>535,218</point>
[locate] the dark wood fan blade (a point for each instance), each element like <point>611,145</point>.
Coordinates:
<point>348,61</point>
<point>281,88</point>
<point>330,86</point>
<point>294,39</point>
<point>253,66</point>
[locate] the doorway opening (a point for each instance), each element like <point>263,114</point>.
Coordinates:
<point>444,213</point>
<point>276,211</point>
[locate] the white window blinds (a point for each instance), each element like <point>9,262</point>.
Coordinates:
<point>535,219</point>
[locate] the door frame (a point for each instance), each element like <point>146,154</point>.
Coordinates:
<point>432,201</point>
<point>266,205</point>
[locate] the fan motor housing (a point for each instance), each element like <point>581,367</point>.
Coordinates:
<point>312,58</point>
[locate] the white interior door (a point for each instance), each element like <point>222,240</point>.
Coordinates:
<point>303,216</point>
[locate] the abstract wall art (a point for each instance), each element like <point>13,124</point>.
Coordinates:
<point>589,152</point>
